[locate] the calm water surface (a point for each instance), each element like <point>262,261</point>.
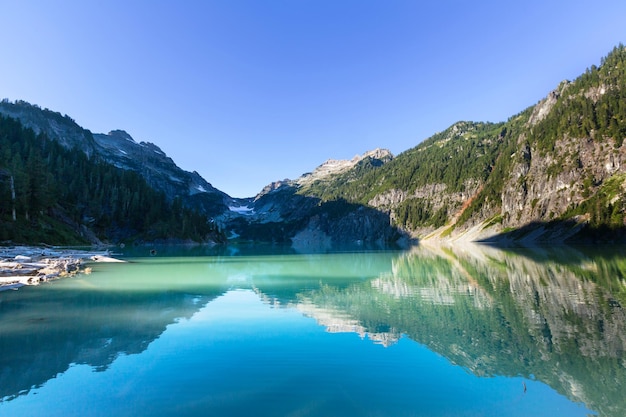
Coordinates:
<point>470,331</point>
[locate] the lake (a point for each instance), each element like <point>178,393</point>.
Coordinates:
<point>265,331</point>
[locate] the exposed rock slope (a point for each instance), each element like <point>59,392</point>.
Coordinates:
<point>555,171</point>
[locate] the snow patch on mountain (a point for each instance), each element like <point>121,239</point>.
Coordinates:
<point>243,210</point>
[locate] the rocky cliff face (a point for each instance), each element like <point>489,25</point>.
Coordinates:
<point>534,193</point>
<point>545,184</point>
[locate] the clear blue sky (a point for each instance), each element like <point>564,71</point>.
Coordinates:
<point>247,92</point>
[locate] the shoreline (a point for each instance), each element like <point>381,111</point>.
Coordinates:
<point>32,265</point>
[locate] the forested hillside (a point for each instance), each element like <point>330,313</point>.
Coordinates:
<point>427,183</point>
<point>562,160</point>
<point>54,195</point>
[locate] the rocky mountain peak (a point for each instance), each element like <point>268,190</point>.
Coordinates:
<point>542,109</point>
<point>121,134</point>
<point>378,153</point>
<point>337,166</point>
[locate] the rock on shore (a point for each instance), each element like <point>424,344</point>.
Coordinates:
<point>25,265</point>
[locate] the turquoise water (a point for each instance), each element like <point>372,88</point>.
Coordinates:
<point>470,331</point>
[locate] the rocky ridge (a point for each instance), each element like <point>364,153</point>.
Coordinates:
<point>337,166</point>
<point>160,171</point>
<point>61,128</point>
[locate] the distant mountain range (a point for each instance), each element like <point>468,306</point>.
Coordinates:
<point>553,172</point>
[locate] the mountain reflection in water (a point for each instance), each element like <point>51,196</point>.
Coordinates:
<point>552,315</point>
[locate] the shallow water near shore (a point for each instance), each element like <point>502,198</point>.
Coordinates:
<point>465,331</point>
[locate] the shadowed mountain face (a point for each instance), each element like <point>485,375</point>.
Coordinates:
<point>553,315</point>
<point>61,128</point>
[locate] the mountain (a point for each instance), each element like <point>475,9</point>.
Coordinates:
<point>120,149</point>
<point>554,172</point>
<point>285,212</point>
<point>56,193</point>
<point>279,213</point>
<point>60,128</point>
<point>355,166</point>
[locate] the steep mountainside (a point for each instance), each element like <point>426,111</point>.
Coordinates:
<point>120,149</point>
<point>160,171</point>
<point>55,195</point>
<point>555,171</point>
<point>55,126</point>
